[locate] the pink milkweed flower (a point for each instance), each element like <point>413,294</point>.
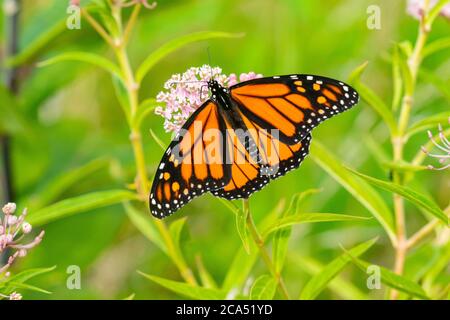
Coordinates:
<point>12,230</point>
<point>185,93</point>
<point>444,148</point>
<point>416,8</point>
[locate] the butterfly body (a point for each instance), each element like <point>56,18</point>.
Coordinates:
<point>245,136</point>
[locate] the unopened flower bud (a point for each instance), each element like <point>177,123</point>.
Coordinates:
<point>26,228</point>
<point>9,208</point>
<point>15,296</point>
<point>12,220</point>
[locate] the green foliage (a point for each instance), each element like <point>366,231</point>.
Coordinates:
<point>82,139</point>
<point>19,281</point>
<point>394,280</point>
<point>360,190</point>
<point>79,204</point>
<point>413,196</point>
<point>263,288</point>
<point>317,283</point>
<point>187,290</point>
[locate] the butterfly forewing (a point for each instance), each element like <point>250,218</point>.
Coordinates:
<point>192,164</point>
<point>293,104</point>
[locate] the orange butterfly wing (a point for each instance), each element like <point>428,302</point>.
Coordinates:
<point>193,164</point>
<point>250,172</point>
<point>293,104</point>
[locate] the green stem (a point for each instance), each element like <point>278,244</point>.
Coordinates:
<point>259,241</point>
<point>398,142</point>
<point>142,181</point>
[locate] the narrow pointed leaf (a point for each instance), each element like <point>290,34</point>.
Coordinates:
<point>360,190</point>
<point>320,281</point>
<point>263,288</point>
<point>75,205</point>
<point>311,218</point>
<point>187,290</point>
<point>146,225</point>
<point>174,45</point>
<point>87,57</point>
<point>414,197</point>
<point>393,280</point>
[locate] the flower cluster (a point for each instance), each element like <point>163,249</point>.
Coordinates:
<point>12,231</point>
<point>444,147</point>
<point>416,8</point>
<point>184,93</point>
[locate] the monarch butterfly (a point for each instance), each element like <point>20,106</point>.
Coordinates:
<point>244,136</point>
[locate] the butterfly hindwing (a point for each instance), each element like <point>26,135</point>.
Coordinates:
<point>293,104</point>
<point>249,175</point>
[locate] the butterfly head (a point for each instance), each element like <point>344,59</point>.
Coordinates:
<point>213,85</point>
<point>217,90</point>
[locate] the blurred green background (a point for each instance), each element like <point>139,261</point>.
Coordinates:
<point>73,118</point>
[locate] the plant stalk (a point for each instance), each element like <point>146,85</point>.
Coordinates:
<point>398,142</point>
<point>259,241</point>
<point>132,89</point>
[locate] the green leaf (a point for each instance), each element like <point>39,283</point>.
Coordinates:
<point>263,288</point>
<point>146,225</point>
<point>405,51</point>
<point>75,205</point>
<point>19,279</point>
<point>393,280</point>
<point>187,290</point>
<point>440,265</point>
<point>310,218</point>
<point>174,45</point>
<point>130,297</point>
<point>371,98</point>
<point>281,236</point>
<point>362,191</point>
<point>57,186</point>
<point>87,57</point>
<point>435,10</point>
<point>429,122</point>
<point>403,166</point>
<point>17,285</point>
<point>432,78</point>
<point>122,95</point>
<point>414,197</point>
<point>241,225</point>
<point>29,274</point>
<point>241,221</point>
<point>37,46</point>
<point>158,140</point>
<point>240,268</point>
<point>206,278</point>
<point>320,281</point>
<point>145,109</point>
<point>435,46</point>
<point>340,286</point>
<point>175,229</point>
<point>356,74</point>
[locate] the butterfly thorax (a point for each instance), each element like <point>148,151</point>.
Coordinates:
<point>220,94</point>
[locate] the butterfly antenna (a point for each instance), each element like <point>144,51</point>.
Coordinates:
<point>191,81</point>
<point>209,62</point>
